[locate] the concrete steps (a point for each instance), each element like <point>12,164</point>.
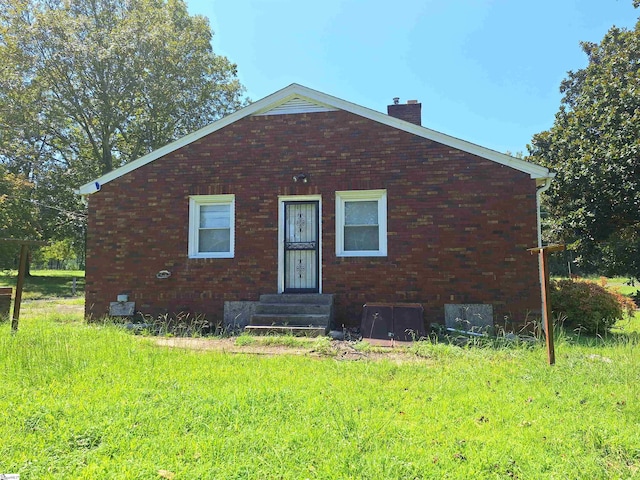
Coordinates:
<point>290,319</point>
<point>292,314</point>
<point>285,330</point>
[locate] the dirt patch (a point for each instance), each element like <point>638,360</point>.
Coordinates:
<point>337,349</point>
<point>76,309</point>
<point>228,345</point>
<point>46,305</point>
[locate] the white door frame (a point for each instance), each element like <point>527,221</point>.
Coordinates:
<point>297,198</point>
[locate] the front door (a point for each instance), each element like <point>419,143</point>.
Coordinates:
<point>301,272</point>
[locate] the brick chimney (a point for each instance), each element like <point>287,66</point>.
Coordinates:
<point>410,112</point>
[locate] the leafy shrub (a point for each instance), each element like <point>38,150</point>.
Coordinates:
<point>588,306</point>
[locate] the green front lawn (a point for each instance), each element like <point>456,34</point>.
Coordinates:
<point>96,402</point>
<point>88,401</point>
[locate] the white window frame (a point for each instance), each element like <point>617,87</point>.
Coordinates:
<point>379,196</point>
<point>197,201</point>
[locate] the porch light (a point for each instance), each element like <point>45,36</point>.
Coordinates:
<point>301,177</point>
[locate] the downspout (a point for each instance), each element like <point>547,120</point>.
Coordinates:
<point>539,192</point>
<point>84,193</point>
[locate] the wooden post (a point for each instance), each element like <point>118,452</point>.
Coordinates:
<point>546,307</point>
<point>543,255</point>
<point>22,270</point>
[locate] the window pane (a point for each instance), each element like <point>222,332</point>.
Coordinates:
<point>215,216</point>
<point>214,241</point>
<point>361,238</point>
<point>361,213</point>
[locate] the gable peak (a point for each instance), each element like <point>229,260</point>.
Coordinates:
<point>295,104</point>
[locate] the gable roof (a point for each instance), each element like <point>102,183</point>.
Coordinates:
<point>299,99</point>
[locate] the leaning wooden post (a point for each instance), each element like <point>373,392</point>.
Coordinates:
<point>22,270</point>
<point>543,255</point>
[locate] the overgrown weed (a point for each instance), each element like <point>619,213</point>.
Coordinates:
<point>180,324</point>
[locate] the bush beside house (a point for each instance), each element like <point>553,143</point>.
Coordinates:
<point>587,306</point>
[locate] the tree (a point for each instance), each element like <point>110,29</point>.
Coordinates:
<point>89,85</point>
<point>594,146</point>
<point>58,253</point>
<point>17,214</point>
<point>114,79</point>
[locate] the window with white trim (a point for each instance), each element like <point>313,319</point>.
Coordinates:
<point>361,223</point>
<point>211,226</point>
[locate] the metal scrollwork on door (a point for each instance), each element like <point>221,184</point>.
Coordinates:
<point>300,245</point>
<point>301,268</point>
<point>301,222</point>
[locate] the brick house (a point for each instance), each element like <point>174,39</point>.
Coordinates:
<point>303,192</point>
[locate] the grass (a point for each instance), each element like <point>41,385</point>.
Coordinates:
<point>84,402</point>
<point>622,284</point>
<point>45,283</point>
<point>96,402</point>
<point>629,326</point>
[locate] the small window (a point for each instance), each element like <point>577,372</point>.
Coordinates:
<point>361,223</point>
<point>211,226</point>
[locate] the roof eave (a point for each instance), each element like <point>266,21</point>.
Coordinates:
<point>295,90</point>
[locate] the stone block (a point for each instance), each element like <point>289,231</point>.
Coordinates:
<point>237,315</point>
<point>474,317</point>
<point>122,309</point>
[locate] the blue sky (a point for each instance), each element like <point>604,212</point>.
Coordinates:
<point>486,71</point>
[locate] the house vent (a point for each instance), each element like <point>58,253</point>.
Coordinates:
<point>297,105</point>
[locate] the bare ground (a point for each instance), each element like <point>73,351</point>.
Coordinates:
<point>340,350</point>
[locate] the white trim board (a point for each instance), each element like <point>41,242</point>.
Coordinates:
<point>299,95</point>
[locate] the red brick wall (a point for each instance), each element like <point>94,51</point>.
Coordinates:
<point>458,225</point>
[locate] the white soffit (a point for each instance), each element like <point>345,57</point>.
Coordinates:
<point>296,105</point>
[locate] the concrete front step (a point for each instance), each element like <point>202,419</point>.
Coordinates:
<point>312,298</point>
<point>290,319</point>
<point>294,314</point>
<point>285,330</point>
<point>293,308</point>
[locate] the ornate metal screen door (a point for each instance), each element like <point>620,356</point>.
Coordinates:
<point>301,247</point>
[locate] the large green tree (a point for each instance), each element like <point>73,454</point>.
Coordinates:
<point>89,85</point>
<point>17,214</point>
<point>594,146</point>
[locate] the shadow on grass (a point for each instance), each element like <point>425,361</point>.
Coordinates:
<point>42,286</point>
<point>625,332</point>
